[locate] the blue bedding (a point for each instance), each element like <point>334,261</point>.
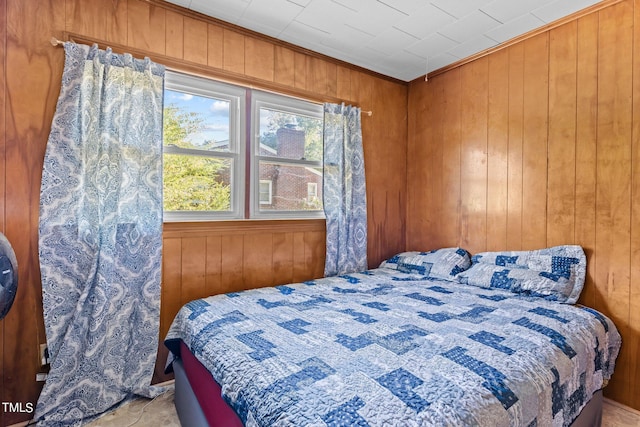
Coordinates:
<point>384,347</point>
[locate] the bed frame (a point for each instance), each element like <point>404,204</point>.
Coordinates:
<point>191,413</point>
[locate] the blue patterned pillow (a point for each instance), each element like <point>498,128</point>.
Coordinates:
<point>555,273</point>
<point>442,264</point>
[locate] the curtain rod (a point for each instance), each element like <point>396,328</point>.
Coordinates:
<point>55,42</point>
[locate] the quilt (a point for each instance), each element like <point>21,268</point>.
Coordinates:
<point>387,348</point>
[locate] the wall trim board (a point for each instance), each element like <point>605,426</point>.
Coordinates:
<point>214,228</point>
<point>573,17</point>
<point>193,68</point>
<point>247,32</point>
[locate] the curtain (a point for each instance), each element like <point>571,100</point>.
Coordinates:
<point>344,192</point>
<point>100,234</point>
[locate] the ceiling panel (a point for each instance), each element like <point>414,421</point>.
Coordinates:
<point>515,27</point>
<point>469,27</point>
<point>471,46</point>
<point>507,10</point>
<point>390,41</point>
<point>460,8</point>
<point>425,21</point>
<point>560,8</point>
<point>400,38</point>
<point>430,46</point>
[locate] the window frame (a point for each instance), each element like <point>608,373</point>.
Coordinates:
<point>290,105</point>
<point>236,96</point>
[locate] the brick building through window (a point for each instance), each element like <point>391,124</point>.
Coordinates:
<point>289,187</point>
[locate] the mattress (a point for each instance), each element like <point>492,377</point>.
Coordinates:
<point>389,348</point>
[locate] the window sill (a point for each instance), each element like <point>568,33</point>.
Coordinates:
<point>244,226</point>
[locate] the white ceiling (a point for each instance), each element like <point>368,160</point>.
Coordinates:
<point>404,39</point>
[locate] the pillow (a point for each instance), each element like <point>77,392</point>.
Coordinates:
<point>442,264</point>
<point>555,273</point>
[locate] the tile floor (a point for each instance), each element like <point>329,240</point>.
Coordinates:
<point>162,412</point>
<point>159,412</point>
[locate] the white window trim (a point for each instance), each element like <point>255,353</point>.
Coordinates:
<point>236,96</point>
<point>289,105</point>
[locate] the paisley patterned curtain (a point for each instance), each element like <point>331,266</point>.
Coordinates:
<point>100,235</point>
<point>345,199</point>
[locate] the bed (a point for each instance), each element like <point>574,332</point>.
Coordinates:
<point>431,338</point>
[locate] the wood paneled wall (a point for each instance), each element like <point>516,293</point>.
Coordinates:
<point>537,145</point>
<point>198,259</point>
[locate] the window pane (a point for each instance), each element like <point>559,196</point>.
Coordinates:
<point>290,187</point>
<point>291,136</point>
<point>196,122</point>
<point>194,183</point>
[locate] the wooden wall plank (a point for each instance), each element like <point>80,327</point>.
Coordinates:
<point>473,158</point>
<point>174,39</point>
<point>343,82</point>
<point>633,341</point>
<point>193,268</point>
<point>232,263</point>
<point>451,155</point>
<point>386,193</point>
<point>259,59</point>
<point>421,146</point>
<point>299,258</point>
<point>233,51</point>
<point>171,282</point>
<point>534,142</point>
<point>284,60</point>
<point>497,149</point>
<point>315,249</point>
<point>316,75</point>
<point>332,79</point>
<point>258,261</point>
<point>105,20</point>
<point>148,31</point>
<point>196,44</point>
<point>562,134</point>
<point>213,273</point>
<point>613,178</point>
<point>170,298</point>
<point>433,203</point>
<point>300,70</point>
<point>514,149</point>
<point>282,258</point>
<point>586,145</point>
<point>3,84</point>
<point>4,397</point>
<point>215,46</point>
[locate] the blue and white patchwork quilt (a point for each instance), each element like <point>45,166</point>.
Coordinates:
<point>388,348</point>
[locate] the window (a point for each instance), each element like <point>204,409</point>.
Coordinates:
<point>206,172</point>
<point>203,149</point>
<point>286,149</point>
